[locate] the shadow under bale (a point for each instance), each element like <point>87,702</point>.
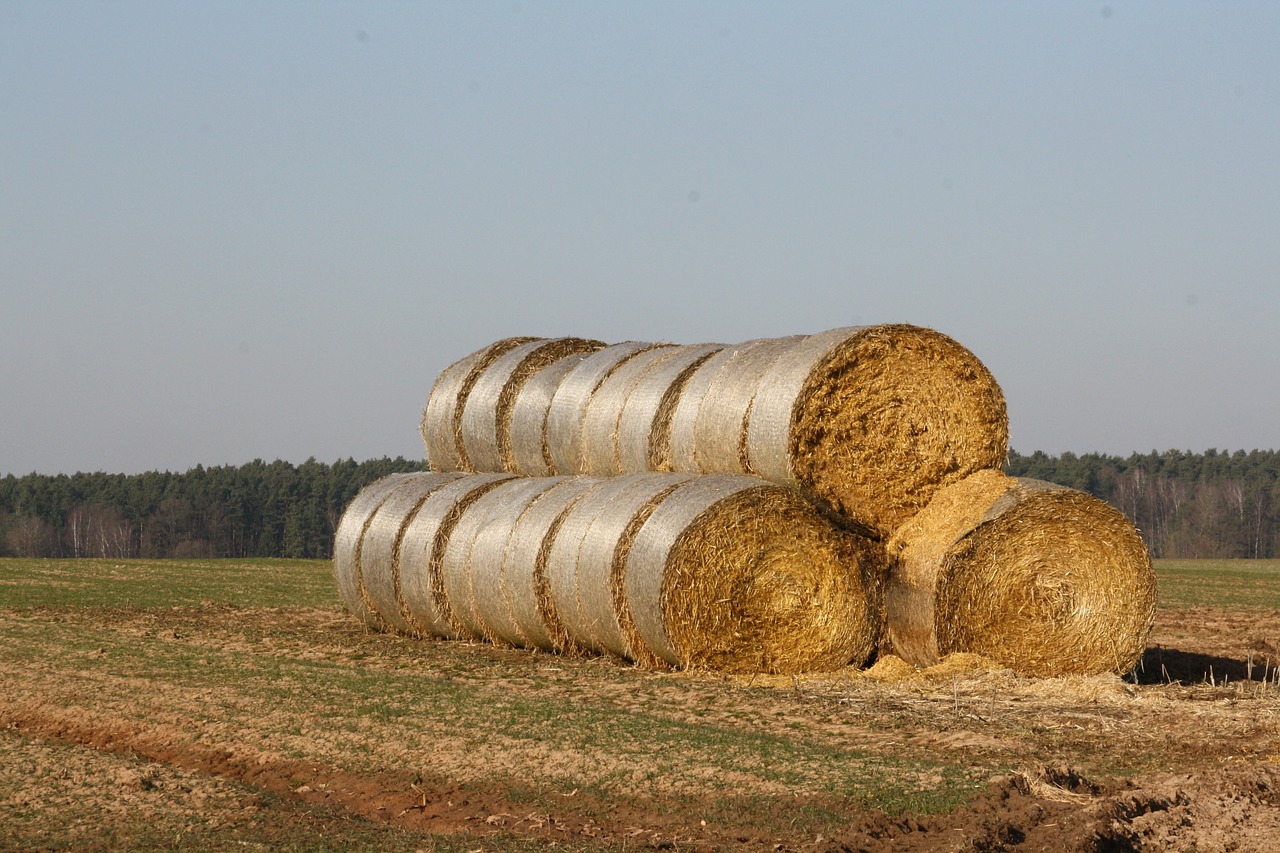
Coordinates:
<point>1160,665</point>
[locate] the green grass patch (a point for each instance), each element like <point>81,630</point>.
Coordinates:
<point>166,583</point>
<point>1253,584</point>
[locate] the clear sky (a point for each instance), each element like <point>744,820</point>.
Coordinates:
<point>239,230</point>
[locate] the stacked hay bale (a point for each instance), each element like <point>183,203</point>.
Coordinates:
<point>777,505</point>
<point>724,572</point>
<point>866,422</point>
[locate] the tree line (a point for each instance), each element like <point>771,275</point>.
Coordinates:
<point>261,509</point>
<point>1196,505</point>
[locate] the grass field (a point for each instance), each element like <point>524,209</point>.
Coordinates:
<point>233,704</point>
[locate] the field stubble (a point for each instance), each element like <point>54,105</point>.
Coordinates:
<point>162,705</point>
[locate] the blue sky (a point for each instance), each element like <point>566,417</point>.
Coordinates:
<point>239,230</point>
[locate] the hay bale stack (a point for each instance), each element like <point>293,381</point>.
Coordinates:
<point>442,415</point>
<point>526,430</point>
<point>568,408</point>
<point>471,564</point>
<point>586,557</point>
<point>379,562</point>
<point>426,608</point>
<point>600,432</point>
<point>349,539</point>
<point>733,574</point>
<point>1044,579</point>
<point>484,424</point>
<point>868,422</point>
<point>644,426</point>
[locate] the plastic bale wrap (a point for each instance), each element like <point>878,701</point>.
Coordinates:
<point>348,543</point>
<point>644,425</point>
<point>423,543</point>
<point>380,549</point>
<point>442,415</point>
<point>871,421</point>
<point>601,439</point>
<point>471,564</point>
<point>1043,579</point>
<point>568,407</point>
<point>485,421</point>
<point>586,558</point>
<point>733,574</point>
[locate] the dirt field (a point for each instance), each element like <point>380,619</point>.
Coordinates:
<point>167,721</point>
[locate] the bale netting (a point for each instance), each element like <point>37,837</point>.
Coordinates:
<point>379,564</point>
<point>426,607</point>
<point>471,564</point>
<point>871,421</point>
<point>1043,579</point>
<point>526,429</point>
<point>486,411</point>
<point>349,539</point>
<point>585,563</point>
<point>442,415</point>
<point>733,574</point>
<point>567,409</point>
<point>644,425</point>
<point>600,434</point>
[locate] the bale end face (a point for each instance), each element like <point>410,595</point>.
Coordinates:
<point>787,592</point>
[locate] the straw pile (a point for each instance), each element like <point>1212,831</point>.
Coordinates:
<point>867,422</point>
<point>723,572</point>
<point>1044,579</point>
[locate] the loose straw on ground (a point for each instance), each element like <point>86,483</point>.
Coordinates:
<point>1043,579</point>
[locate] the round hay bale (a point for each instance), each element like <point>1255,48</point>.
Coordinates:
<point>720,428</point>
<point>585,564</point>
<point>681,427</point>
<point>526,431</point>
<point>733,574</point>
<point>471,564</point>
<point>645,426</point>
<point>422,545</point>
<point>601,438</point>
<point>486,413</point>
<point>380,548</point>
<point>524,566</point>
<point>1043,579</point>
<point>349,539</point>
<point>569,405</point>
<point>872,421</point>
<point>442,415</point>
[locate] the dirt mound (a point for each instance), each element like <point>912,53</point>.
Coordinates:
<point>1060,811</point>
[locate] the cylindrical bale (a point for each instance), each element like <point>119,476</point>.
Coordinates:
<point>524,566</point>
<point>471,565</point>
<point>442,415</point>
<point>569,405</point>
<point>527,429</point>
<point>349,539</point>
<point>681,428</point>
<point>1044,579</point>
<point>380,550</point>
<point>734,574</point>
<point>486,414</point>
<point>601,437</point>
<point>587,556</point>
<point>422,546</point>
<point>720,431</point>
<point>871,421</point>
<point>644,432</point>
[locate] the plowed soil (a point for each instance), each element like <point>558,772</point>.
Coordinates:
<point>221,727</point>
